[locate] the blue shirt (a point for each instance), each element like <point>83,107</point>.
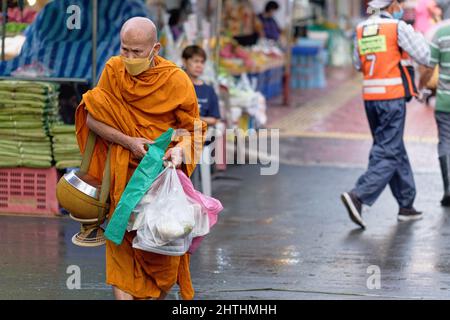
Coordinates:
<point>207,101</point>
<point>271,29</point>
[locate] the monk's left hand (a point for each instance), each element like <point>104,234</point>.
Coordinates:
<point>175,156</point>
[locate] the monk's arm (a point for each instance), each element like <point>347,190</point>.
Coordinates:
<point>135,145</point>
<point>210,121</point>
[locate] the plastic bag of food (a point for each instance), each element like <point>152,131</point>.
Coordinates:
<point>206,214</point>
<point>164,219</point>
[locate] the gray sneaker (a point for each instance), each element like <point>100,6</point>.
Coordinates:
<point>354,208</point>
<point>409,214</point>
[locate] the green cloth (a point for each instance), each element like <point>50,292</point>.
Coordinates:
<point>65,146</point>
<point>26,150</point>
<point>12,95</point>
<point>11,162</point>
<point>68,164</point>
<point>26,144</point>
<point>148,170</point>
<point>28,110</point>
<point>22,117</point>
<point>440,55</point>
<point>20,125</point>
<point>27,133</point>
<point>63,128</point>
<point>65,139</point>
<point>29,86</point>
<point>38,157</point>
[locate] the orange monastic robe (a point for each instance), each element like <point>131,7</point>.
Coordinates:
<point>144,106</point>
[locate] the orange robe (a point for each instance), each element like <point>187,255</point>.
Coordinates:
<point>144,106</point>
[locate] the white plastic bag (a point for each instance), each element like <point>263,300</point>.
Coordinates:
<point>201,227</point>
<point>164,219</point>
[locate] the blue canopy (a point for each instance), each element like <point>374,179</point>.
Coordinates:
<point>68,52</point>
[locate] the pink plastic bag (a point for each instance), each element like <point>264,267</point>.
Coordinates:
<point>210,205</point>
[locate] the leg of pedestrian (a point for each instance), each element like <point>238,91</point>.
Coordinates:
<point>388,155</point>
<point>402,184</point>
<point>121,295</point>
<point>443,124</point>
<point>404,190</point>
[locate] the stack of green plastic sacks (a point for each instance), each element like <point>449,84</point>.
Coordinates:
<point>65,147</point>
<point>27,111</point>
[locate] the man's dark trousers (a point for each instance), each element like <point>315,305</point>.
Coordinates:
<point>388,160</point>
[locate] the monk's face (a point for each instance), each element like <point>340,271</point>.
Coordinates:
<point>138,45</point>
<point>194,66</point>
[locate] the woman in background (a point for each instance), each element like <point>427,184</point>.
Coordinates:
<point>428,13</point>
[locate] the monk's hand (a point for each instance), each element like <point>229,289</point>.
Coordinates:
<point>138,146</point>
<point>173,156</point>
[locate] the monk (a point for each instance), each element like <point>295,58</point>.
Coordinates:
<point>139,96</point>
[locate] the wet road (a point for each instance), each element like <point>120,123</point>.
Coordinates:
<point>279,237</point>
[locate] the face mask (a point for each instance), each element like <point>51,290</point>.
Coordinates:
<point>398,14</point>
<point>136,66</point>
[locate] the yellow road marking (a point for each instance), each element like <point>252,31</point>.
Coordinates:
<point>349,136</point>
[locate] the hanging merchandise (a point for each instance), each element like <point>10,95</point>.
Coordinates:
<point>263,56</point>
<point>341,51</point>
<point>263,63</point>
<point>243,95</point>
<point>171,48</point>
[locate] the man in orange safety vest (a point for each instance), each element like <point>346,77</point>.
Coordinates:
<point>383,47</point>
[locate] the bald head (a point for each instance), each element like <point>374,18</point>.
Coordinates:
<point>138,36</point>
<point>139,29</point>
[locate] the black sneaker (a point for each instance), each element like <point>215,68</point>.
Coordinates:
<point>409,214</point>
<point>354,208</point>
<point>445,202</point>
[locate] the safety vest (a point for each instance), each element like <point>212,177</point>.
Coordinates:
<point>408,77</point>
<point>384,64</point>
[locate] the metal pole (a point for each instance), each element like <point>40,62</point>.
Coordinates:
<point>5,18</point>
<point>287,71</point>
<point>198,22</point>
<point>218,31</point>
<point>94,41</point>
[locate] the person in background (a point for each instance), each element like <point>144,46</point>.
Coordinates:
<point>241,22</point>
<point>440,47</point>
<point>427,14</point>
<point>271,29</point>
<point>176,23</point>
<point>194,58</point>
<point>381,40</point>
<point>444,5</point>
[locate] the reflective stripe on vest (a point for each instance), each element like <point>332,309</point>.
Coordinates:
<point>382,62</point>
<point>383,82</point>
<point>374,90</point>
<point>407,63</point>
